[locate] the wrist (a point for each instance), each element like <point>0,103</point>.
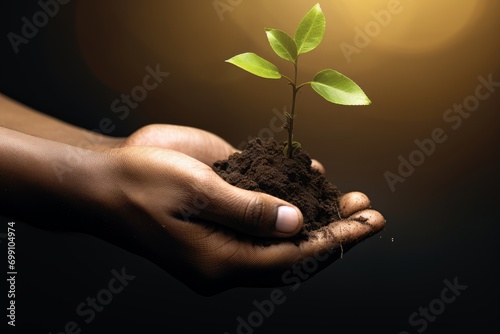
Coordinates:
<point>47,183</point>
<point>25,120</point>
<point>97,142</point>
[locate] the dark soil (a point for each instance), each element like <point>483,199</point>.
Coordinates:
<point>263,167</point>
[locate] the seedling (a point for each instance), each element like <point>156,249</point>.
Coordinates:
<point>331,85</point>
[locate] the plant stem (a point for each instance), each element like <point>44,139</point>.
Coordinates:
<point>303,84</point>
<point>290,120</point>
<point>287,79</point>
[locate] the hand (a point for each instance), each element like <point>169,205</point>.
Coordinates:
<point>175,211</point>
<point>164,203</point>
<point>199,144</point>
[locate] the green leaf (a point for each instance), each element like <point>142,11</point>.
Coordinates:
<point>256,65</point>
<point>339,89</point>
<point>310,31</point>
<point>282,44</point>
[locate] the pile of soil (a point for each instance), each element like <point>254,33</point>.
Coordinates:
<point>262,166</point>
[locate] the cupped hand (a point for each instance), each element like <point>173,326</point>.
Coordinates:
<point>175,211</point>
<point>199,144</point>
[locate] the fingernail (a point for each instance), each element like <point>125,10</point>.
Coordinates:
<point>287,220</point>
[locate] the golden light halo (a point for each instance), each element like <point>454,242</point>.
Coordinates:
<point>413,26</point>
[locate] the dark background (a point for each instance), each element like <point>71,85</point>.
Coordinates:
<point>442,222</point>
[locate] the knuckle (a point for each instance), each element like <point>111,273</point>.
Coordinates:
<point>205,179</point>
<point>254,215</point>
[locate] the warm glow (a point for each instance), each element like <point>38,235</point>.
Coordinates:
<point>420,26</point>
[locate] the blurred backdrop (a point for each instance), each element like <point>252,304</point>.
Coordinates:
<point>425,151</point>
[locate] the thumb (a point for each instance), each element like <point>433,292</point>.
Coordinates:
<point>251,212</point>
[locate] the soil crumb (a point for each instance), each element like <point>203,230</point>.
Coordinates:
<point>262,166</point>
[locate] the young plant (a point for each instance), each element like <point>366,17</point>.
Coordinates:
<point>331,85</point>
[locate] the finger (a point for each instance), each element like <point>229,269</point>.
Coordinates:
<point>343,234</point>
<point>324,246</point>
<point>199,144</point>
<point>315,164</point>
<point>251,212</point>
<point>353,202</point>
<point>360,225</point>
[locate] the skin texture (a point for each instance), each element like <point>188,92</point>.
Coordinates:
<point>154,194</point>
